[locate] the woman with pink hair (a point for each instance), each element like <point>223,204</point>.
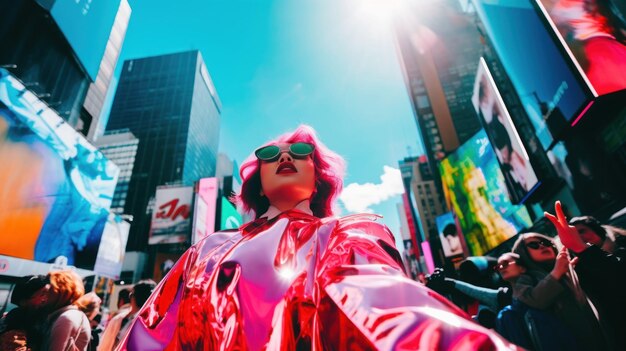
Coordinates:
<point>297,277</point>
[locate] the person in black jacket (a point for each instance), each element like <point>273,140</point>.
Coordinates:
<point>602,276</point>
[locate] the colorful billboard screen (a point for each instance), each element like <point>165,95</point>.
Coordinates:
<point>551,89</point>
<point>449,235</point>
<point>595,37</point>
<point>230,218</point>
<point>474,189</point>
<point>86,25</point>
<point>56,188</point>
<point>518,173</point>
<point>171,220</point>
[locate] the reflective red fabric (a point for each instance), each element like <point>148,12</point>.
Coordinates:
<point>300,282</point>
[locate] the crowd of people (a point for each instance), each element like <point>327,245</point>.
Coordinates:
<point>54,313</point>
<point>563,293</point>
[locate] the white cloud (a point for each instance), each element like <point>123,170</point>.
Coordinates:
<point>358,198</point>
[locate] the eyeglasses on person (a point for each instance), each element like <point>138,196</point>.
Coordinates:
<point>537,244</point>
<point>271,153</point>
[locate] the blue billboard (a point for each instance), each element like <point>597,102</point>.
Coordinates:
<point>551,88</point>
<point>55,189</point>
<point>87,25</point>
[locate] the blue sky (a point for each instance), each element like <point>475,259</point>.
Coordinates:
<point>275,65</point>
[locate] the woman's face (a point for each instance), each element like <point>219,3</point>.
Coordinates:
<point>288,178</point>
<point>588,235</point>
<point>509,269</point>
<point>540,250</point>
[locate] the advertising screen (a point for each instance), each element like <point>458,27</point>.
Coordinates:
<point>230,218</point>
<point>171,220</point>
<point>549,85</point>
<point>595,38</point>
<point>449,235</point>
<point>518,173</point>
<point>205,205</point>
<point>110,255</point>
<point>87,25</point>
<point>56,188</point>
<point>474,189</point>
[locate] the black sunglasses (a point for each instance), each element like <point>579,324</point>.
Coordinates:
<point>271,153</point>
<point>535,245</point>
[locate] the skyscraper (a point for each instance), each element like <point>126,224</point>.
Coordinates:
<point>170,104</point>
<point>439,48</point>
<point>120,147</point>
<point>56,47</point>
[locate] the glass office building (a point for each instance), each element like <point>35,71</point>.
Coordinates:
<point>170,104</point>
<point>120,147</point>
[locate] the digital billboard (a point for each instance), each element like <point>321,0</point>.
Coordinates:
<point>595,37</point>
<point>86,24</point>
<point>110,255</point>
<point>204,209</point>
<point>171,218</point>
<point>514,162</point>
<point>56,188</point>
<point>474,189</point>
<point>230,218</point>
<point>449,235</point>
<point>551,88</point>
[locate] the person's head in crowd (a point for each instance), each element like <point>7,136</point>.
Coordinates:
<point>141,292</point>
<point>95,322</point>
<point>509,266</point>
<point>123,298</point>
<point>31,292</point>
<point>89,304</point>
<point>589,229</point>
<point>478,270</point>
<point>65,288</point>
<point>536,251</point>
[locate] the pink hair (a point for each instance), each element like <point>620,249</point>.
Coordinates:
<point>329,172</point>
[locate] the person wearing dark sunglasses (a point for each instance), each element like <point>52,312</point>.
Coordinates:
<point>550,285</point>
<point>298,277</point>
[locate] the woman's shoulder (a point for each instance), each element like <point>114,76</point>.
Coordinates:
<point>71,318</point>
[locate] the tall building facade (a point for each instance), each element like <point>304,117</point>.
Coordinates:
<point>120,147</point>
<point>439,48</point>
<point>35,50</point>
<point>422,204</point>
<point>55,48</point>
<point>93,126</point>
<point>170,104</point>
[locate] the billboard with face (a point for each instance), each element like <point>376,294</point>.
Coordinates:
<point>171,218</point>
<point>474,189</point>
<point>449,235</point>
<point>56,188</point>
<point>519,175</point>
<point>549,85</point>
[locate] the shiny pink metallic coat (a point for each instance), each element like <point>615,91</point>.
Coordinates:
<point>298,282</point>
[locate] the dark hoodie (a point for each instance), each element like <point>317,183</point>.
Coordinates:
<point>538,289</point>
